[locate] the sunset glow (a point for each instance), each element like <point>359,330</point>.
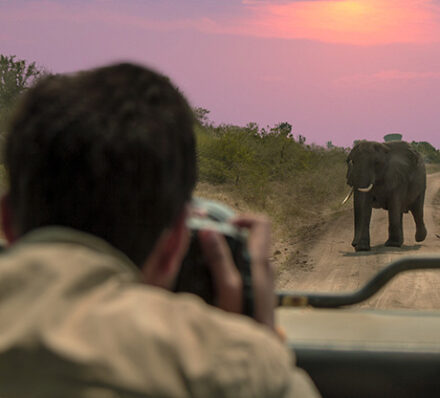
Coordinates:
<point>347,21</point>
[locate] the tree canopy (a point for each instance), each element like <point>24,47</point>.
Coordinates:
<point>429,153</point>
<point>15,76</point>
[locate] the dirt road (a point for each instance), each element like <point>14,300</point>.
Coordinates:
<point>330,264</point>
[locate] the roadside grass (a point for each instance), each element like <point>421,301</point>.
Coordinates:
<point>432,168</point>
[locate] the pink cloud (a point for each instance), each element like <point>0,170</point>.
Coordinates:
<point>384,76</point>
<point>47,11</point>
<point>401,75</point>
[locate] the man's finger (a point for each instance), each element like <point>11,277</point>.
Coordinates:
<point>227,280</point>
<point>259,228</point>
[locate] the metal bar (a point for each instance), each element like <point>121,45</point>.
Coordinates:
<point>332,300</point>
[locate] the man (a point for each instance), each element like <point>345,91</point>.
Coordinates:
<point>101,170</point>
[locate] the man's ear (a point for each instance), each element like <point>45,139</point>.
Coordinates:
<point>163,264</point>
<point>6,219</point>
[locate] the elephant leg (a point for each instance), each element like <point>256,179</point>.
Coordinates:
<point>417,212</point>
<point>395,230</point>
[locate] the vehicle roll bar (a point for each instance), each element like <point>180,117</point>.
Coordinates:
<point>377,282</point>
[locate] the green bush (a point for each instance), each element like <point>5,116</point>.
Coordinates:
<point>429,153</point>
<point>269,168</point>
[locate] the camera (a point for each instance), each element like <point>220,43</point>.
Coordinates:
<point>194,275</point>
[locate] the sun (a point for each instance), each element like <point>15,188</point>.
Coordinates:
<point>347,15</point>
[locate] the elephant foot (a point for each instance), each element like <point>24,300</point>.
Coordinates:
<point>421,234</point>
<point>362,246</point>
<point>394,243</point>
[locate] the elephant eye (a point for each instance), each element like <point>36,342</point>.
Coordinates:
<point>350,162</point>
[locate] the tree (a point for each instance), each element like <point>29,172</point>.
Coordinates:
<point>284,129</point>
<point>15,77</point>
<point>301,139</point>
<point>429,153</point>
<point>253,129</point>
<point>201,115</point>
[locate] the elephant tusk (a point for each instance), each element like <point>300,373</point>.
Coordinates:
<point>348,196</point>
<point>368,189</point>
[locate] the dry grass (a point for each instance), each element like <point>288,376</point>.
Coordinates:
<point>299,207</point>
<point>432,168</point>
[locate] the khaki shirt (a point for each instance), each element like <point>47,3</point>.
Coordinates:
<point>75,321</point>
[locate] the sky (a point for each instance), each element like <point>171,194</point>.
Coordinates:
<point>336,70</point>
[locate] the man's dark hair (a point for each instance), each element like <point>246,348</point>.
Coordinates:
<point>109,151</point>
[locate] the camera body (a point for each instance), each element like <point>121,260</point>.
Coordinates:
<point>194,275</point>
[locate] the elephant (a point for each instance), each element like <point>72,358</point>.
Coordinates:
<point>389,176</point>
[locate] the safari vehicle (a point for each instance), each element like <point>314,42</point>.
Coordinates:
<point>352,352</point>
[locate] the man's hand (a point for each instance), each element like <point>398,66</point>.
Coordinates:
<point>259,245</point>
<point>227,279</point>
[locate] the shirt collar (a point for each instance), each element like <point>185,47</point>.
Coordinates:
<point>60,234</point>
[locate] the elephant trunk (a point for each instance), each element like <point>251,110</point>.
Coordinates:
<point>362,216</point>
